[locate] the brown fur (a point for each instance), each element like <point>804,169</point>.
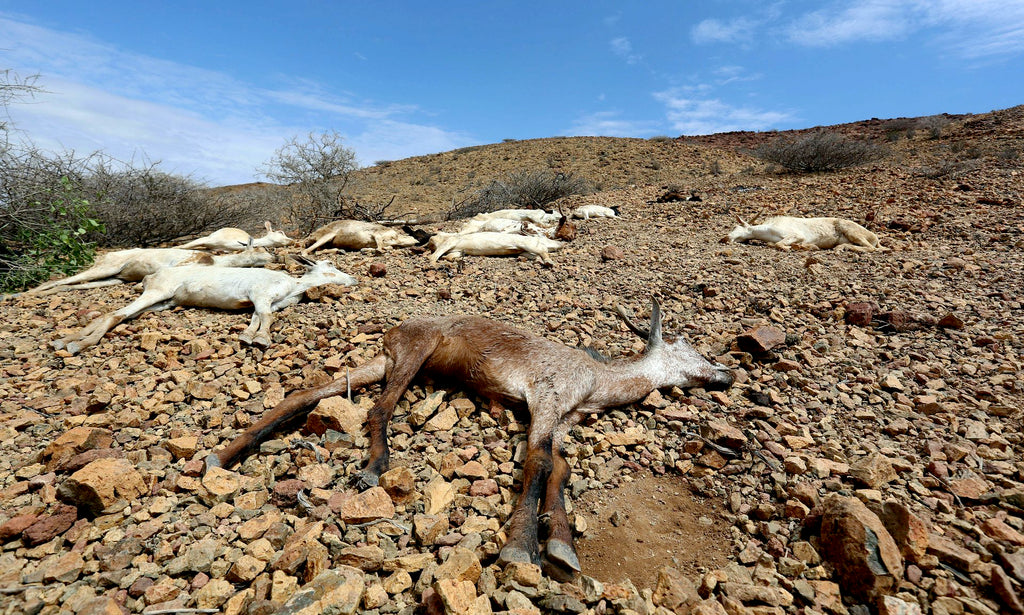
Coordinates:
<point>558,385</point>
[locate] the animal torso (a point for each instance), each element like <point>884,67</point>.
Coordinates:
<point>484,355</point>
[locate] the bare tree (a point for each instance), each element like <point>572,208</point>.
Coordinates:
<point>14,87</point>
<point>318,167</point>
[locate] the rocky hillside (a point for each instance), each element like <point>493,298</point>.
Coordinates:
<point>868,456</point>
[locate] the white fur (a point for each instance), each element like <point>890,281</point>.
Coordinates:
<point>357,235</point>
<point>809,233</point>
<point>134,264</point>
<point>235,239</point>
<point>586,212</point>
<point>537,216</point>
<point>215,287</point>
<point>492,244</point>
<point>506,225</point>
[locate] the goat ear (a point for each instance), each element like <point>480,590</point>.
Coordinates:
<point>741,220</point>
<point>654,337</point>
<point>266,225</point>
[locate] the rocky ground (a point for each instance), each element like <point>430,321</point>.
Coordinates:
<point>868,457</point>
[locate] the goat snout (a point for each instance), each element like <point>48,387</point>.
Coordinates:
<point>721,379</point>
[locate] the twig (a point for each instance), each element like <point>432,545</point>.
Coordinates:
<point>724,450</point>
<point>17,589</point>
<point>303,501</point>
<point>182,611</point>
<point>400,526</point>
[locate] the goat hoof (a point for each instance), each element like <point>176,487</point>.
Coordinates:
<point>73,347</point>
<point>211,461</point>
<point>562,556</point>
<point>365,480</point>
<point>57,344</point>
<point>262,342</point>
<point>513,553</point>
<point>245,339</point>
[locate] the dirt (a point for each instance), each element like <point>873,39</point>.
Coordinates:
<point>638,528</point>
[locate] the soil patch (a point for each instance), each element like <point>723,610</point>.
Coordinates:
<point>654,521</point>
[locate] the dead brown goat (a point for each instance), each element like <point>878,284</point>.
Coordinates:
<point>558,384</point>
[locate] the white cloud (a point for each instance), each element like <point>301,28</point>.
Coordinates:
<point>972,28</point>
<point>624,49</point>
<point>692,116</point>
<point>873,20</point>
<point>195,121</point>
<point>739,30</point>
<point>609,124</point>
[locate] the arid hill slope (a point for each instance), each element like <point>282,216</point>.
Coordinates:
<point>895,380</point>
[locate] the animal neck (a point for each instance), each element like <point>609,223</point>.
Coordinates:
<point>626,381</point>
<point>764,232</point>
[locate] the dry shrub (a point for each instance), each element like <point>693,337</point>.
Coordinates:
<point>521,189</point>
<point>144,206</point>
<point>819,151</point>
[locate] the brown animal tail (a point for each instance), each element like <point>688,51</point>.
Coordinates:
<point>293,407</point>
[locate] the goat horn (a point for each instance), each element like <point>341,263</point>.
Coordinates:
<point>304,261</point>
<point>627,318</point>
<point>741,220</point>
<point>756,216</point>
<point>654,339</point>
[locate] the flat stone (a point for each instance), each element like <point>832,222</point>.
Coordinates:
<point>182,448</point>
<point>724,434</point>
<point>221,485</point>
<point>213,594</point>
<point>853,539</point>
<point>369,558</point>
<point>339,414</point>
<point>909,531</point>
<point>400,485</point>
<point>104,486</point>
<point>460,565</point>
<point>760,340</point>
<point>873,471</point>
<point>374,503</point>
<point>428,528</point>
<point>438,495</point>
<point>952,553</point>
<point>674,591</point>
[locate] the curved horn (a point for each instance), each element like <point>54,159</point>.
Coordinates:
<point>756,216</point>
<point>741,220</point>
<point>654,339</point>
<point>627,318</point>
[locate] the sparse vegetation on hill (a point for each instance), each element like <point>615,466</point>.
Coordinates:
<point>521,189</point>
<point>819,151</point>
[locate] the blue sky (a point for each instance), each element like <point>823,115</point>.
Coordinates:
<point>211,89</point>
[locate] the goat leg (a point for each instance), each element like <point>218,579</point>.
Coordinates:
<point>292,407</point>
<point>561,559</point>
<point>522,545</point>
<point>398,380</point>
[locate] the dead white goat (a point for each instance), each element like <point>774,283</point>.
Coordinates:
<point>492,244</point>
<point>226,288</point>
<point>134,264</point>
<point>506,225</point>
<point>807,233</point>
<point>586,212</point>
<point>357,235</point>
<point>537,216</point>
<point>234,239</point>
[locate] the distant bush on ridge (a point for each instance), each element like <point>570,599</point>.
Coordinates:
<point>819,151</point>
<point>521,189</point>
